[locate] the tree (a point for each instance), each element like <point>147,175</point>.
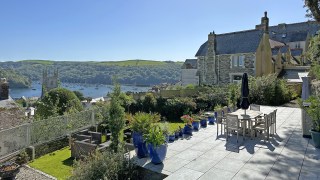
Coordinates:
<point>116,118</point>
<point>79,95</point>
<point>57,102</point>
<point>313,9</point>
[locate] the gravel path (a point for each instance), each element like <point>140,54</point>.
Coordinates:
<point>27,173</point>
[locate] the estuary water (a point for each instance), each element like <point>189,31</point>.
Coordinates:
<point>88,90</point>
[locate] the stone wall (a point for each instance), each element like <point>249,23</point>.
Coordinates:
<point>224,64</point>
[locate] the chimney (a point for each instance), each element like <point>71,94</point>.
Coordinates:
<point>212,40</point>
<point>4,89</point>
<point>264,23</point>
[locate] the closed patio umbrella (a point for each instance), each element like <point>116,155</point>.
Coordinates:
<point>244,93</point>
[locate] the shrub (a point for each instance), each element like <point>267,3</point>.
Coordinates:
<point>22,158</point>
<point>176,107</point>
<point>142,122</point>
<point>149,103</point>
<point>269,90</point>
<point>106,165</point>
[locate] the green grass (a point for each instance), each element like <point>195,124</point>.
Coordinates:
<point>44,62</point>
<point>57,164</point>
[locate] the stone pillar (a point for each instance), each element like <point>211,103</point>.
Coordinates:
<point>305,87</point>
<point>31,152</point>
<point>306,120</point>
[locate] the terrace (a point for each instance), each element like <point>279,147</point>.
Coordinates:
<point>287,156</point>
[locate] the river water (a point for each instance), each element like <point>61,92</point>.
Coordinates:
<point>88,90</point>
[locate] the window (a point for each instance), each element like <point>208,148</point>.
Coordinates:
<point>237,61</point>
<point>297,45</point>
<point>236,78</point>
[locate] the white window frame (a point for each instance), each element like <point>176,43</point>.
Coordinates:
<point>231,75</point>
<point>237,61</point>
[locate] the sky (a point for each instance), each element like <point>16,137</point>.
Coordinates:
<point>111,30</point>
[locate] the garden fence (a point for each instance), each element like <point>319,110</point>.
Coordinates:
<point>42,131</point>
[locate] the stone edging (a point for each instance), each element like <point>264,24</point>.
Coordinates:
<point>40,172</point>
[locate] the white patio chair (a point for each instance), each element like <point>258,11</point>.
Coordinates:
<point>263,126</point>
<point>233,124</point>
<point>273,122</point>
<point>220,120</point>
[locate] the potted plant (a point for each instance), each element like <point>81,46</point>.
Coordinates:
<point>314,112</point>
<point>180,131</point>
<point>188,127</point>
<point>157,144</point>
<point>9,170</point>
<point>176,133</point>
<point>140,124</point>
<point>203,120</point>
<point>172,135</point>
<point>165,129</point>
<point>196,123</point>
<point>210,118</point>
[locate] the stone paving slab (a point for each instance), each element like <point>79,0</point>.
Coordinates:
<point>205,156</point>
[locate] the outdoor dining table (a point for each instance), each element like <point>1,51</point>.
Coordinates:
<point>247,116</point>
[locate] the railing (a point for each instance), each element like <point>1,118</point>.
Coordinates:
<point>42,131</point>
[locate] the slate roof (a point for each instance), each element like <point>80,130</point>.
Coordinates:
<point>232,43</point>
<point>282,49</point>
<point>290,74</point>
<point>248,41</point>
<point>190,64</point>
<point>296,52</point>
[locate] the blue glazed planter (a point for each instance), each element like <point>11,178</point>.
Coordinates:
<point>196,125</point>
<point>203,122</point>
<point>157,154</point>
<point>139,144</point>
<point>187,130</point>
<point>316,138</point>
<point>172,138</point>
<point>215,115</point>
<point>176,134</point>
<point>211,119</point>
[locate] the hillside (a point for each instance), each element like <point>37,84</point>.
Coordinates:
<point>139,72</point>
<point>15,80</point>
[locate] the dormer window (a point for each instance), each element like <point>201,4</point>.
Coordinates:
<point>237,61</point>
<point>284,35</point>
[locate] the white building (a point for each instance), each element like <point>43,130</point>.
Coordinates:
<point>189,71</point>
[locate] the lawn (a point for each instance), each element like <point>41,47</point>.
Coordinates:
<point>57,164</point>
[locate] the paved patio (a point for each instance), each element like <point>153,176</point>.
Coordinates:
<point>287,156</point>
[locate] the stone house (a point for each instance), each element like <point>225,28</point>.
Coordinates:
<point>223,58</point>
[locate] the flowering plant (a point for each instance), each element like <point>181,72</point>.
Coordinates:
<point>187,119</point>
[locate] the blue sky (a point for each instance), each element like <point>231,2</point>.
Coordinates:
<point>103,30</point>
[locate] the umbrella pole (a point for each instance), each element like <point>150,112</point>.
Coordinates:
<point>245,112</point>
